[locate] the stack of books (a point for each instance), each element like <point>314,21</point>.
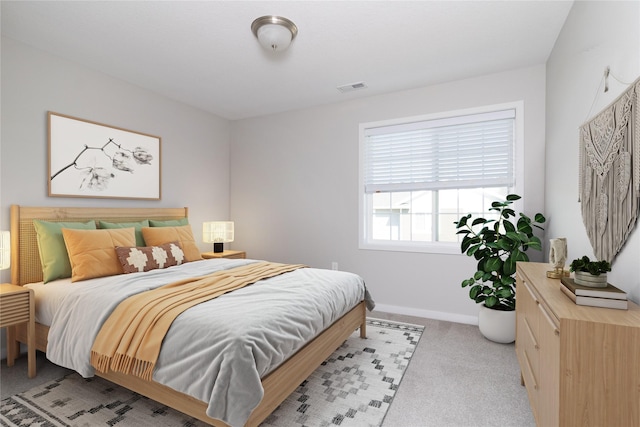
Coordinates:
<point>609,297</point>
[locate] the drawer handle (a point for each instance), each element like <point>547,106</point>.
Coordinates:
<point>526,358</point>
<point>533,337</point>
<point>531,292</point>
<point>548,317</point>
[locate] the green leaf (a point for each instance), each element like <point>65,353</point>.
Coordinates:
<point>504,293</point>
<point>508,226</point>
<point>491,301</point>
<point>488,235</point>
<point>481,254</point>
<point>463,221</point>
<point>513,197</point>
<point>503,244</point>
<point>466,242</point>
<point>474,291</point>
<point>520,256</point>
<point>539,218</point>
<point>507,212</point>
<point>509,267</point>
<point>493,245</point>
<point>534,243</point>
<point>493,264</point>
<point>513,235</point>
<point>472,250</point>
<point>525,228</point>
<point>508,280</point>
<point>478,221</point>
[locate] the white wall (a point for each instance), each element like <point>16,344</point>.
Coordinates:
<point>294,189</point>
<point>595,35</point>
<point>195,144</point>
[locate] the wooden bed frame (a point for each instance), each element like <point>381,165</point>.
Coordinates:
<point>26,268</point>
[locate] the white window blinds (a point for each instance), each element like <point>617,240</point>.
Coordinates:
<point>458,152</point>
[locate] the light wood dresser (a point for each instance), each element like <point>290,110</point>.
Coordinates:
<point>580,365</point>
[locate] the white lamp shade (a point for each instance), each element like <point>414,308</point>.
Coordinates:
<point>217,232</point>
<point>5,250</point>
<point>274,37</point>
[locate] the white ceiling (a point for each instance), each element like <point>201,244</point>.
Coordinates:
<point>203,53</point>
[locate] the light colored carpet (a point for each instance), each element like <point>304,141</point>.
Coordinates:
<point>458,378</point>
<point>353,387</point>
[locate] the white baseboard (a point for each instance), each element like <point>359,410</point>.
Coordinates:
<point>429,314</point>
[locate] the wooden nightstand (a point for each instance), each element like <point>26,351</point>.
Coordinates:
<point>225,254</point>
<point>17,306</point>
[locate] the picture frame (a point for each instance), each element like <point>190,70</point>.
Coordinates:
<point>91,159</point>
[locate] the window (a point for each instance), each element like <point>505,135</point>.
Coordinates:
<point>419,175</point>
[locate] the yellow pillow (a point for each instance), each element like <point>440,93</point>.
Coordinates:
<point>92,253</point>
<point>156,236</point>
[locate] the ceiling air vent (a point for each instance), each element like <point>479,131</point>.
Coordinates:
<point>352,86</point>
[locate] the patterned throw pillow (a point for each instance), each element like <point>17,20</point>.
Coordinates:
<point>136,259</point>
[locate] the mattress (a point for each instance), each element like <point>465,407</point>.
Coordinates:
<point>47,297</point>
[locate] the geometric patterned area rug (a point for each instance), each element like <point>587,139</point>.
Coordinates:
<point>352,388</point>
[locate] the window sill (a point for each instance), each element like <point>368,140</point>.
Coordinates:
<point>433,248</point>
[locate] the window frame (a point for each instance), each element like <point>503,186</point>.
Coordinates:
<point>365,203</point>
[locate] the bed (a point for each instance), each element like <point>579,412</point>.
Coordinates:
<point>277,383</point>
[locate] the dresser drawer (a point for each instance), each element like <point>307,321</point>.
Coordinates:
<point>530,380</point>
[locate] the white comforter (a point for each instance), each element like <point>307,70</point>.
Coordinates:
<point>216,351</point>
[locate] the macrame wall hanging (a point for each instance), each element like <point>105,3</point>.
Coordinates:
<point>610,173</point>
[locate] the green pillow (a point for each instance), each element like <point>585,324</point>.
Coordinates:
<point>137,225</point>
<point>169,223</point>
<point>53,252</point>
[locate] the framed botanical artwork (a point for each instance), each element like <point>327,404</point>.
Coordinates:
<point>89,159</point>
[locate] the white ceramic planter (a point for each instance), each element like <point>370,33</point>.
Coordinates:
<point>497,325</point>
<point>587,279</point>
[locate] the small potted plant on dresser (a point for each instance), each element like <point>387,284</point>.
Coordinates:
<point>497,244</point>
<point>590,273</point>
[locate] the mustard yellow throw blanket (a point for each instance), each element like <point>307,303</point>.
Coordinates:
<point>130,340</point>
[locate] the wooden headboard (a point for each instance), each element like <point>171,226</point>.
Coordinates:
<point>25,257</point>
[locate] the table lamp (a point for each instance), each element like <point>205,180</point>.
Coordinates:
<point>5,250</point>
<point>218,233</point>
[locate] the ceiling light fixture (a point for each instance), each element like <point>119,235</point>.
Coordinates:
<point>274,32</point>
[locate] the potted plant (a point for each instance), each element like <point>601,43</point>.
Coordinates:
<point>497,244</point>
<point>590,273</point>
